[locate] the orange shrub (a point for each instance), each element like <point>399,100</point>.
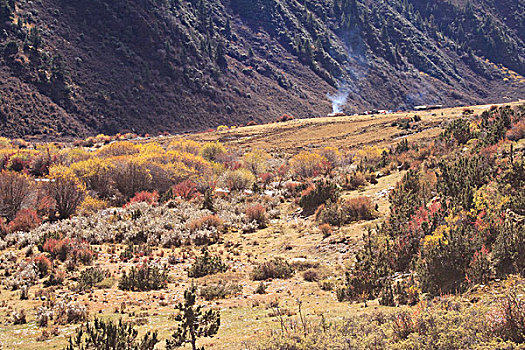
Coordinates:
<point>359,208</point>
<point>325,229</point>
<point>256,213</point>
<point>69,248</point>
<point>25,220</point>
<point>206,221</point>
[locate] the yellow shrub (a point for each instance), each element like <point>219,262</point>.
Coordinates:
<point>187,146</point>
<point>237,180</point>
<point>256,161</point>
<point>92,205</point>
<point>120,148</point>
<point>212,151</point>
<point>96,174</point>
<point>331,154</point>
<point>306,164</point>
<point>5,143</point>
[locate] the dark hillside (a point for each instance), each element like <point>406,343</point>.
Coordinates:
<point>84,67</point>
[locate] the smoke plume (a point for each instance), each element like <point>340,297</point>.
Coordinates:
<point>339,99</point>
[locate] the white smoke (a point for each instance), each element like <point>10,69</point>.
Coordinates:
<point>339,99</point>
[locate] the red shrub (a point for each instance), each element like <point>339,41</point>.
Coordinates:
<point>58,248</point>
<point>145,196</point>
<point>69,248</point>
<point>25,220</point>
<point>266,178</point>
<point>44,265</point>
<point>186,190</point>
<point>285,118</point>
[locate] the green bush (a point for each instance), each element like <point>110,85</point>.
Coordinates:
<point>275,268</point>
<point>206,265</point>
<point>90,277</point>
<point>144,278</point>
<point>316,194</point>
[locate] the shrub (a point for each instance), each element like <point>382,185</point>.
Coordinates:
<point>18,317</point>
<point>15,193</point>
<point>326,230</point>
<point>219,291</point>
<point>359,208</point>
<point>354,181</point>
<point>122,148</point>
<point>56,278</point>
<point>316,194</point>
<point>110,335</point>
<point>66,190</point>
<point>459,129</point>
<point>25,220</point>
<point>307,165</point>
<point>257,213</point>
<point>311,275</point>
<point>73,249</point>
<point>144,278</point>
<point>275,268</point>
<point>517,132</point>
<point>509,321</point>
<point>96,173</point>
<point>206,265</point>
<point>145,197</point>
<point>71,312</point>
<point>256,161</point>
<point>130,176</point>
<point>186,190</point>
<point>186,146</point>
<point>443,262</point>
<point>43,264</point>
<point>285,118</point>
<point>90,277</point>
<point>237,180</point>
<point>261,288</point>
<point>212,151</point>
<point>91,206</point>
<point>208,221</point>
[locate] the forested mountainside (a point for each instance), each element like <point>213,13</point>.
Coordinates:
<point>73,68</point>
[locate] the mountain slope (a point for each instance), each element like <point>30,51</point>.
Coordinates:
<point>83,67</point>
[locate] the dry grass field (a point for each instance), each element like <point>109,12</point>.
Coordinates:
<point>246,317</point>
